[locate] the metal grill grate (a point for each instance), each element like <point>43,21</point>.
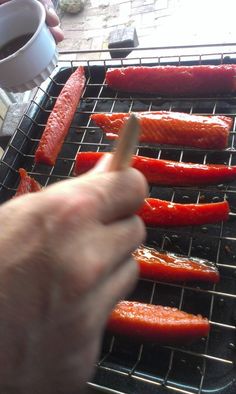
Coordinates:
<point>146,368</point>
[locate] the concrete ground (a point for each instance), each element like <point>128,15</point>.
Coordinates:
<point>158,23</point>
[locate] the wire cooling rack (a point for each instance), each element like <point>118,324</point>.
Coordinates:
<point>208,365</point>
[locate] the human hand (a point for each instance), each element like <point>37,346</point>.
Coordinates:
<point>51,19</point>
<point>65,262</point>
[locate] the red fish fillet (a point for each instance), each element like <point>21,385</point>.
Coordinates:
<point>172,128</point>
<point>174,80</point>
<point>170,267</point>
<point>155,212</point>
<point>60,119</point>
<point>156,323</point>
<point>166,172</point>
<point>27,184</point>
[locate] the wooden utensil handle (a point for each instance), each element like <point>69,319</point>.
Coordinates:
<point>126,144</point>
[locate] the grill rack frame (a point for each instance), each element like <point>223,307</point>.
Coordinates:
<point>108,372</point>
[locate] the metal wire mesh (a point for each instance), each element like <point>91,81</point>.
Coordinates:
<point>135,367</point>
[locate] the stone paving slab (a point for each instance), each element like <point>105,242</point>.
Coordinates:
<point>158,22</point>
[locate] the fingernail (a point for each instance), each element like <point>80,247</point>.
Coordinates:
<point>52,13</point>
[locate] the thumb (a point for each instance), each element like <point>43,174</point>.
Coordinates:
<point>103,164</point>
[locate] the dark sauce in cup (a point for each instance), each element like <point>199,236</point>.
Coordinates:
<point>14,45</point>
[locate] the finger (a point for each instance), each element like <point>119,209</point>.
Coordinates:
<point>103,164</point>
<point>53,20</point>
<point>3,1</point>
<point>123,238</point>
<point>115,287</point>
<point>104,197</point>
<point>75,332</point>
<point>116,195</point>
<point>119,194</point>
<point>51,16</point>
<point>102,296</point>
<point>57,33</point>
<point>95,255</point>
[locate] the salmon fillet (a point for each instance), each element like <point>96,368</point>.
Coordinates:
<point>165,172</point>
<point>161,213</point>
<point>156,323</point>
<point>165,266</point>
<point>172,128</point>
<point>174,80</point>
<point>27,184</point>
<point>60,119</point>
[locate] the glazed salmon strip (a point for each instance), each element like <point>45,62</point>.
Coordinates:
<point>60,119</point>
<point>156,323</point>
<point>180,81</point>
<point>171,128</point>
<point>166,172</point>
<point>27,184</point>
<point>171,267</point>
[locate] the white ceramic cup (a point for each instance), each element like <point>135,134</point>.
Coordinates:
<point>34,62</point>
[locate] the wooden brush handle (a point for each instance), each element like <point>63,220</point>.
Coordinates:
<point>126,144</point>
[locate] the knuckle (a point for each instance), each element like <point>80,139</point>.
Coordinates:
<point>137,183</point>
<point>100,196</point>
<point>126,278</point>
<point>131,235</point>
<point>139,230</point>
<point>69,208</point>
<point>95,266</point>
